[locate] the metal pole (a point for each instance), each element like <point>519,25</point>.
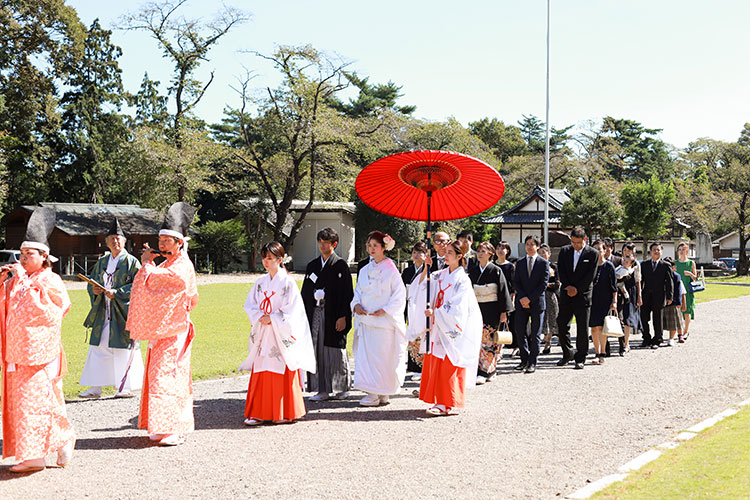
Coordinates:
<point>546,145</point>
<point>429,253</point>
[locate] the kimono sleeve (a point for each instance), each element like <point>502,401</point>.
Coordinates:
<point>459,324</point>
<point>123,293</point>
<point>252,307</point>
<point>397,301</point>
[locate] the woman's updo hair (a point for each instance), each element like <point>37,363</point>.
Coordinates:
<point>377,236</point>
<point>461,248</point>
<point>273,248</point>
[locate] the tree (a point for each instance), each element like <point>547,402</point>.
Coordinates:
<point>297,140</point>
<point>224,242</point>
<point>505,141</point>
<point>93,130</point>
<point>646,208</point>
<point>630,152</point>
<point>594,209</point>
<point>187,43</point>
<point>150,105</point>
<point>371,98</point>
<point>532,131</point>
<point>730,180</point>
<point>40,41</point>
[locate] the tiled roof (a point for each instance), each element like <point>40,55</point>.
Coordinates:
<point>557,198</point>
<point>521,218</point>
<point>80,219</point>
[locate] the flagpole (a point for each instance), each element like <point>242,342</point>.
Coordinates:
<point>546,144</point>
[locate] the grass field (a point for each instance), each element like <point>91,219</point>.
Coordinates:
<point>713,465</point>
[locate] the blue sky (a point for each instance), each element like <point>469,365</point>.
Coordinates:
<point>676,65</point>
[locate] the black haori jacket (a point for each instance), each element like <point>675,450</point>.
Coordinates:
<point>336,280</point>
<point>491,310</point>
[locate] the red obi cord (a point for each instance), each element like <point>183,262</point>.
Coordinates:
<point>265,305</point>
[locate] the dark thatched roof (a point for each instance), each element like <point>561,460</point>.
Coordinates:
<point>81,219</point>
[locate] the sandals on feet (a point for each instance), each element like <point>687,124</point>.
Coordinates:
<point>437,411</point>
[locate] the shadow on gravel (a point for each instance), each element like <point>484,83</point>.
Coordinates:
<point>219,413</point>
<point>368,415</point>
<point>114,443</point>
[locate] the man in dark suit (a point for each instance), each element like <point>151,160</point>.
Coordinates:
<point>439,243</point>
<point>471,255</point>
<point>609,248</point>
<point>530,281</point>
<point>576,266</point>
<point>657,291</point>
<point>327,295</point>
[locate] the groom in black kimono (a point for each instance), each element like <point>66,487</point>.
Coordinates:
<point>327,294</point>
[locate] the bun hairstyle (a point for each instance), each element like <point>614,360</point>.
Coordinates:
<point>377,236</point>
<point>461,248</point>
<point>273,248</point>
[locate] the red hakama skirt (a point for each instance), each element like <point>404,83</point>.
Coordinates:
<point>273,396</point>
<point>442,383</point>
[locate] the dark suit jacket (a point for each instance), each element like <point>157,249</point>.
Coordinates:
<point>435,265</point>
<point>657,285</point>
<point>336,279</point>
<point>583,276</point>
<point>362,263</point>
<point>534,286</point>
<point>616,260</point>
<point>408,275</point>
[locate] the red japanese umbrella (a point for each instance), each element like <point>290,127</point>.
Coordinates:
<point>429,185</point>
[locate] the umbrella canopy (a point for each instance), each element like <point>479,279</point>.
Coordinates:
<point>460,185</point>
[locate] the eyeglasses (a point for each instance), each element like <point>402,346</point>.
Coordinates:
<point>441,242</point>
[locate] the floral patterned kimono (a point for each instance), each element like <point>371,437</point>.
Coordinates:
<point>277,351</point>
<point>32,307</point>
<point>160,302</point>
<point>455,336</point>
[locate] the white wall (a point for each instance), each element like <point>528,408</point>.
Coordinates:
<point>306,243</point>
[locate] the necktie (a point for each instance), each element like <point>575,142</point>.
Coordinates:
<point>531,264</point>
<point>653,264</point>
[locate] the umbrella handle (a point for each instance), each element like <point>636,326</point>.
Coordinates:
<point>429,253</point>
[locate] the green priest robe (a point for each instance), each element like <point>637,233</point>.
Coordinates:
<point>125,272</point>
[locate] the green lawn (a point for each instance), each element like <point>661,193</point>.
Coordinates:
<point>221,334</point>
<point>713,465</point>
<point>716,292</point>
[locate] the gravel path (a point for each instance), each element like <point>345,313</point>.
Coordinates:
<point>204,279</point>
<point>521,436</point>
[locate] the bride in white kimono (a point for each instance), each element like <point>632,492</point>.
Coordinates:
<point>280,344</point>
<point>380,338</point>
<point>455,335</point>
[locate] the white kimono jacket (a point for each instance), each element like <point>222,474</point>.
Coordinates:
<point>286,342</point>
<point>380,341</point>
<point>457,327</point>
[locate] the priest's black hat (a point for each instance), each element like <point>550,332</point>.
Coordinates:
<point>115,229</point>
<point>40,227</point>
<point>178,219</point>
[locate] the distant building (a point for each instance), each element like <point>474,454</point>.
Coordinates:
<point>527,217</point>
<point>80,229</point>
<point>729,245</point>
<point>322,214</point>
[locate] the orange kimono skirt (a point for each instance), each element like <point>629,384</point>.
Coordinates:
<point>442,383</point>
<point>167,394</point>
<point>273,396</point>
<point>35,423</point>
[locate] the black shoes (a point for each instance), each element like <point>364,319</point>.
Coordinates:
<point>530,369</point>
<point>521,367</point>
<point>654,346</point>
<point>579,366</point>
<point>546,350</point>
<point>564,361</point>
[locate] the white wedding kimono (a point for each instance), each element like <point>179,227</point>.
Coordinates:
<point>380,341</point>
<point>457,328</point>
<point>286,342</point>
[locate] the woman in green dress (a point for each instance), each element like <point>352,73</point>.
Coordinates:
<point>686,270</point>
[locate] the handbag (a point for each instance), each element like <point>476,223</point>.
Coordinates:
<point>700,284</point>
<point>502,335</point>
<point>612,326</point>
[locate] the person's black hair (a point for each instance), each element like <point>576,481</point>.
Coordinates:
<point>629,245</point>
<point>465,233</point>
<point>609,242</point>
<point>274,248</point>
<point>598,241</point>
<point>419,247</point>
<point>655,243</point>
<point>531,237</point>
<point>504,244</point>
<point>328,234</point>
<point>578,232</point>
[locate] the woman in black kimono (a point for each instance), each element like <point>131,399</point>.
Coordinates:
<point>493,295</point>
<point>502,252</point>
